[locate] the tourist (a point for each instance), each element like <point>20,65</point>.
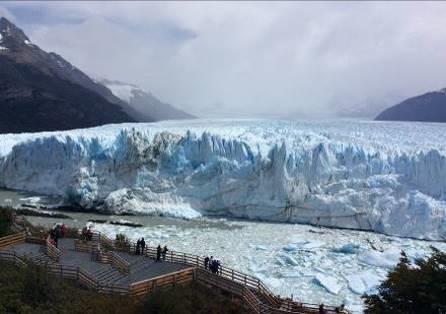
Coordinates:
<point>206,262</point>
<point>143,247</point>
<point>165,252</point>
<point>158,253</point>
<point>211,260</point>
<point>63,229</point>
<point>340,309</point>
<point>322,309</point>
<point>89,234</point>
<point>138,245</point>
<point>84,233</point>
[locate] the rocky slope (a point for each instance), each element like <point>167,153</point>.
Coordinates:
<point>429,107</point>
<point>40,91</point>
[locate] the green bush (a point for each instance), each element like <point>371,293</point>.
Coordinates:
<point>419,288</point>
<point>6,220</point>
<point>122,242</point>
<point>192,299</point>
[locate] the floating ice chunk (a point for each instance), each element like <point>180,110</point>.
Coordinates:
<point>31,200</point>
<point>363,282</point>
<point>387,259</point>
<point>261,248</point>
<point>305,245</point>
<point>349,248</point>
<point>356,284</point>
<point>328,282</point>
<point>291,247</point>
<point>312,245</point>
<point>289,259</point>
<point>280,261</point>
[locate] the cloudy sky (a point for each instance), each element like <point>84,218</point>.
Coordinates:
<point>289,59</point>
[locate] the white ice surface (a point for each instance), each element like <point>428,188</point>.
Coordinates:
<point>328,282</point>
<point>383,176</point>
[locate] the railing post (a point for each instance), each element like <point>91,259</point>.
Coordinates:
<point>197,261</point>
<point>232,273</point>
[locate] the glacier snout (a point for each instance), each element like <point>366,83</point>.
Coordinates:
<point>188,173</point>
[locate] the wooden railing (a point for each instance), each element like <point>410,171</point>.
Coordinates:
<point>119,263</point>
<point>12,239</point>
<point>85,246</point>
<point>146,286</point>
<point>52,251</point>
<point>11,257</point>
<point>35,240</point>
<point>251,300</point>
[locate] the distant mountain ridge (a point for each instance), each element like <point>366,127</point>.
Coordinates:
<point>429,107</point>
<point>41,91</point>
<point>144,102</point>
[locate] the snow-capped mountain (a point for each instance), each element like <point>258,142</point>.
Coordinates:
<point>429,107</point>
<point>144,102</point>
<point>385,177</point>
<point>42,91</point>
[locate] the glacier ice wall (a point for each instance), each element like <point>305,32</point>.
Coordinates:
<point>389,178</point>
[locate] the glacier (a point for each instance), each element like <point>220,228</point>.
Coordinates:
<point>386,177</point>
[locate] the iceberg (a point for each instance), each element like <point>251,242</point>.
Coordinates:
<point>367,175</point>
<point>328,282</point>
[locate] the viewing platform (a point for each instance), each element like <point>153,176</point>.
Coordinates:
<point>109,266</point>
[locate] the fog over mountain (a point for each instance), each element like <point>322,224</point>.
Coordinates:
<point>267,59</point>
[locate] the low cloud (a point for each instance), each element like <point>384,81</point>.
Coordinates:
<point>251,58</point>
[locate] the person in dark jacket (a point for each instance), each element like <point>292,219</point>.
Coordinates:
<point>143,246</point>
<point>322,309</point>
<point>158,253</point>
<point>138,246</point>
<point>165,252</point>
<point>206,262</point>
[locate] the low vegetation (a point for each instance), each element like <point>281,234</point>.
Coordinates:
<point>30,290</point>
<point>412,288</point>
<point>6,221</point>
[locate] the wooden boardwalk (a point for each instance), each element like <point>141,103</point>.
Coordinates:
<point>141,268</point>
<point>108,267</point>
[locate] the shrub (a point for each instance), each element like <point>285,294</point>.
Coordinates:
<point>419,288</point>
<point>6,220</point>
<point>122,242</point>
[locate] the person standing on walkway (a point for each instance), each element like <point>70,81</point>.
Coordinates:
<point>143,247</point>
<point>158,253</point>
<point>165,252</point>
<point>322,309</point>
<point>206,262</point>
<point>138,245</point>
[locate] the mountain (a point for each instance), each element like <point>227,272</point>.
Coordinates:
<point>41,91</point>
<point>144,102</point>
<point>429,107</point>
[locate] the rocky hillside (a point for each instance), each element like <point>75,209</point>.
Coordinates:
<point>429,107</point>
<point>40,91</point>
